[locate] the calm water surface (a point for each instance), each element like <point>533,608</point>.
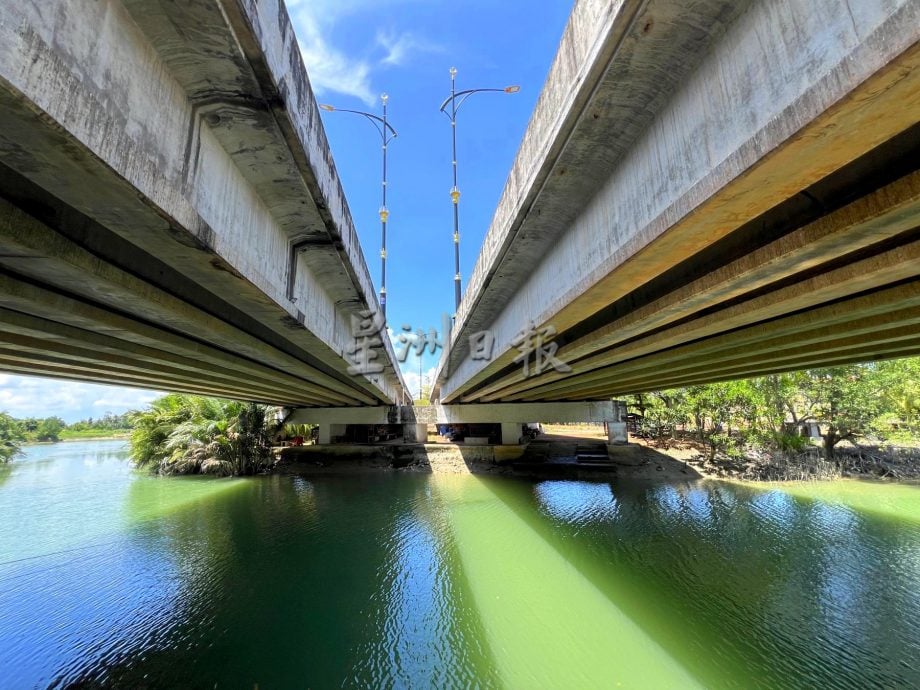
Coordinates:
<point>109,577</point>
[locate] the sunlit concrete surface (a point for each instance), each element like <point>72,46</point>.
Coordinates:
<point>170,215</point>
<point>706,191</point>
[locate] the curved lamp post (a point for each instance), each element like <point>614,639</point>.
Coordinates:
<point>455,100</point>
<point>387,134</point>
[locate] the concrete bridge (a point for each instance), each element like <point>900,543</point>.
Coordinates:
<point>170,214</point>
<point>706,191</point>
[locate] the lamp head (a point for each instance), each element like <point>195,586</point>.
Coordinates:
<point>453,72</point>
<point>384,97</point>
<point>512,89</point>
<point>327,107</point>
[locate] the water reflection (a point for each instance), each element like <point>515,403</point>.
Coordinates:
<point>110,577</point>
<point>576,502</point>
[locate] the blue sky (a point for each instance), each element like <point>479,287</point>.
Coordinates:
<point>354,50</point>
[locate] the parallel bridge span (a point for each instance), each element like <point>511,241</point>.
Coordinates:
<point>170,214</point>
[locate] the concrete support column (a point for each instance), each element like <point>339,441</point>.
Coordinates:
<point>617,433</point>
<point>415,432</point>
<point>511,433</point>
<point>327,431</point>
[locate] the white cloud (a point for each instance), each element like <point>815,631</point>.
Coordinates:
<point>333,70</point>
<point>329,69</point>
<point>400,47</point>
<point>412,380</point>
<point>30,396</point>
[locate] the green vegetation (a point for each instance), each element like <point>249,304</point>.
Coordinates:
<point>108,426</point>
<point>191,434</point>
<point>42,430</point>
<point>11,437</point>
<point>876,403</point>
<point>53,429</point>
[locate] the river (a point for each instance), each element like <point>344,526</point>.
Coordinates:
<point>110,577</point>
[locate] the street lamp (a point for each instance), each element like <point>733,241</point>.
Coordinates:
<point>387,134</point>
<point>455,100</point>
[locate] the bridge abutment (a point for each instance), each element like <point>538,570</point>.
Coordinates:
<point>333,422</point>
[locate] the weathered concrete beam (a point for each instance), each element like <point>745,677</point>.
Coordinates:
<point>124,332</point>
<point>900,341</point>
<point>767,113</point>
<point>194,140</point>
<point>879,217</point>
<point>868,353</point>
<point>32,249</point>
<point>53,335</point>
<point>520,413</point>
<point>885,268</point>
<point>775,339</point>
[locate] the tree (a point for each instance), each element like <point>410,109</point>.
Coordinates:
<point>189,434</point>
<point>11,437</point>
<point>49,429</point>
<point>718,408</point>
<point>662,412</point>
<point>844,399</point>
<point>899,382</point>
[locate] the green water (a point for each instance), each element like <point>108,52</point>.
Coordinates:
<point>109,578</point>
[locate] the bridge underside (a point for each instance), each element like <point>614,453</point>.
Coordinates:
<point>840,289</point>
<point>742,232</point>
<point>170,216</point>
<point>69,313</point>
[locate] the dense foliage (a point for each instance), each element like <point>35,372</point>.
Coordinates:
<point>879,402</point>
<point>47,429</point>
<point>107,425</point>
<point>11,437</point>
<point>191,434</point>
<point>52,429</point>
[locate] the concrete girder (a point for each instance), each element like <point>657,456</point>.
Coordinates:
<point>868,345</point>
<point>16,295</point>
<point>842,101</point>
<point>23,358</point>
<point>870,352</point>
<point>68,373</point>
<point>878,217</point>
<point>214,180</point>
<point>156,374</point>
<point>36,251</point>
<point>55,334</point>
<point>886,268</point>
<point>774,337</point>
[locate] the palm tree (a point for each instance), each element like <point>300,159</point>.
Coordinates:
<point>190,434</point>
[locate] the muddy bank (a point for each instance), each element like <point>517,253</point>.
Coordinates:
<point>555,458</point>
<point>866,462</point>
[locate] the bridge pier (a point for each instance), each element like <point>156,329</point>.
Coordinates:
<point>329,431</point>
<point>511,433</point>
<point>333,421</point>
<point>617,434</point>
<point>415,432</point>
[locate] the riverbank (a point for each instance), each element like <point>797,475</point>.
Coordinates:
<point>76,438</point>
<point>549,457</point>
<point>583,455</point>
<point>754,465</point>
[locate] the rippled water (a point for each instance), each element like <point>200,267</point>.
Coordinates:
<point>113,578</point>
